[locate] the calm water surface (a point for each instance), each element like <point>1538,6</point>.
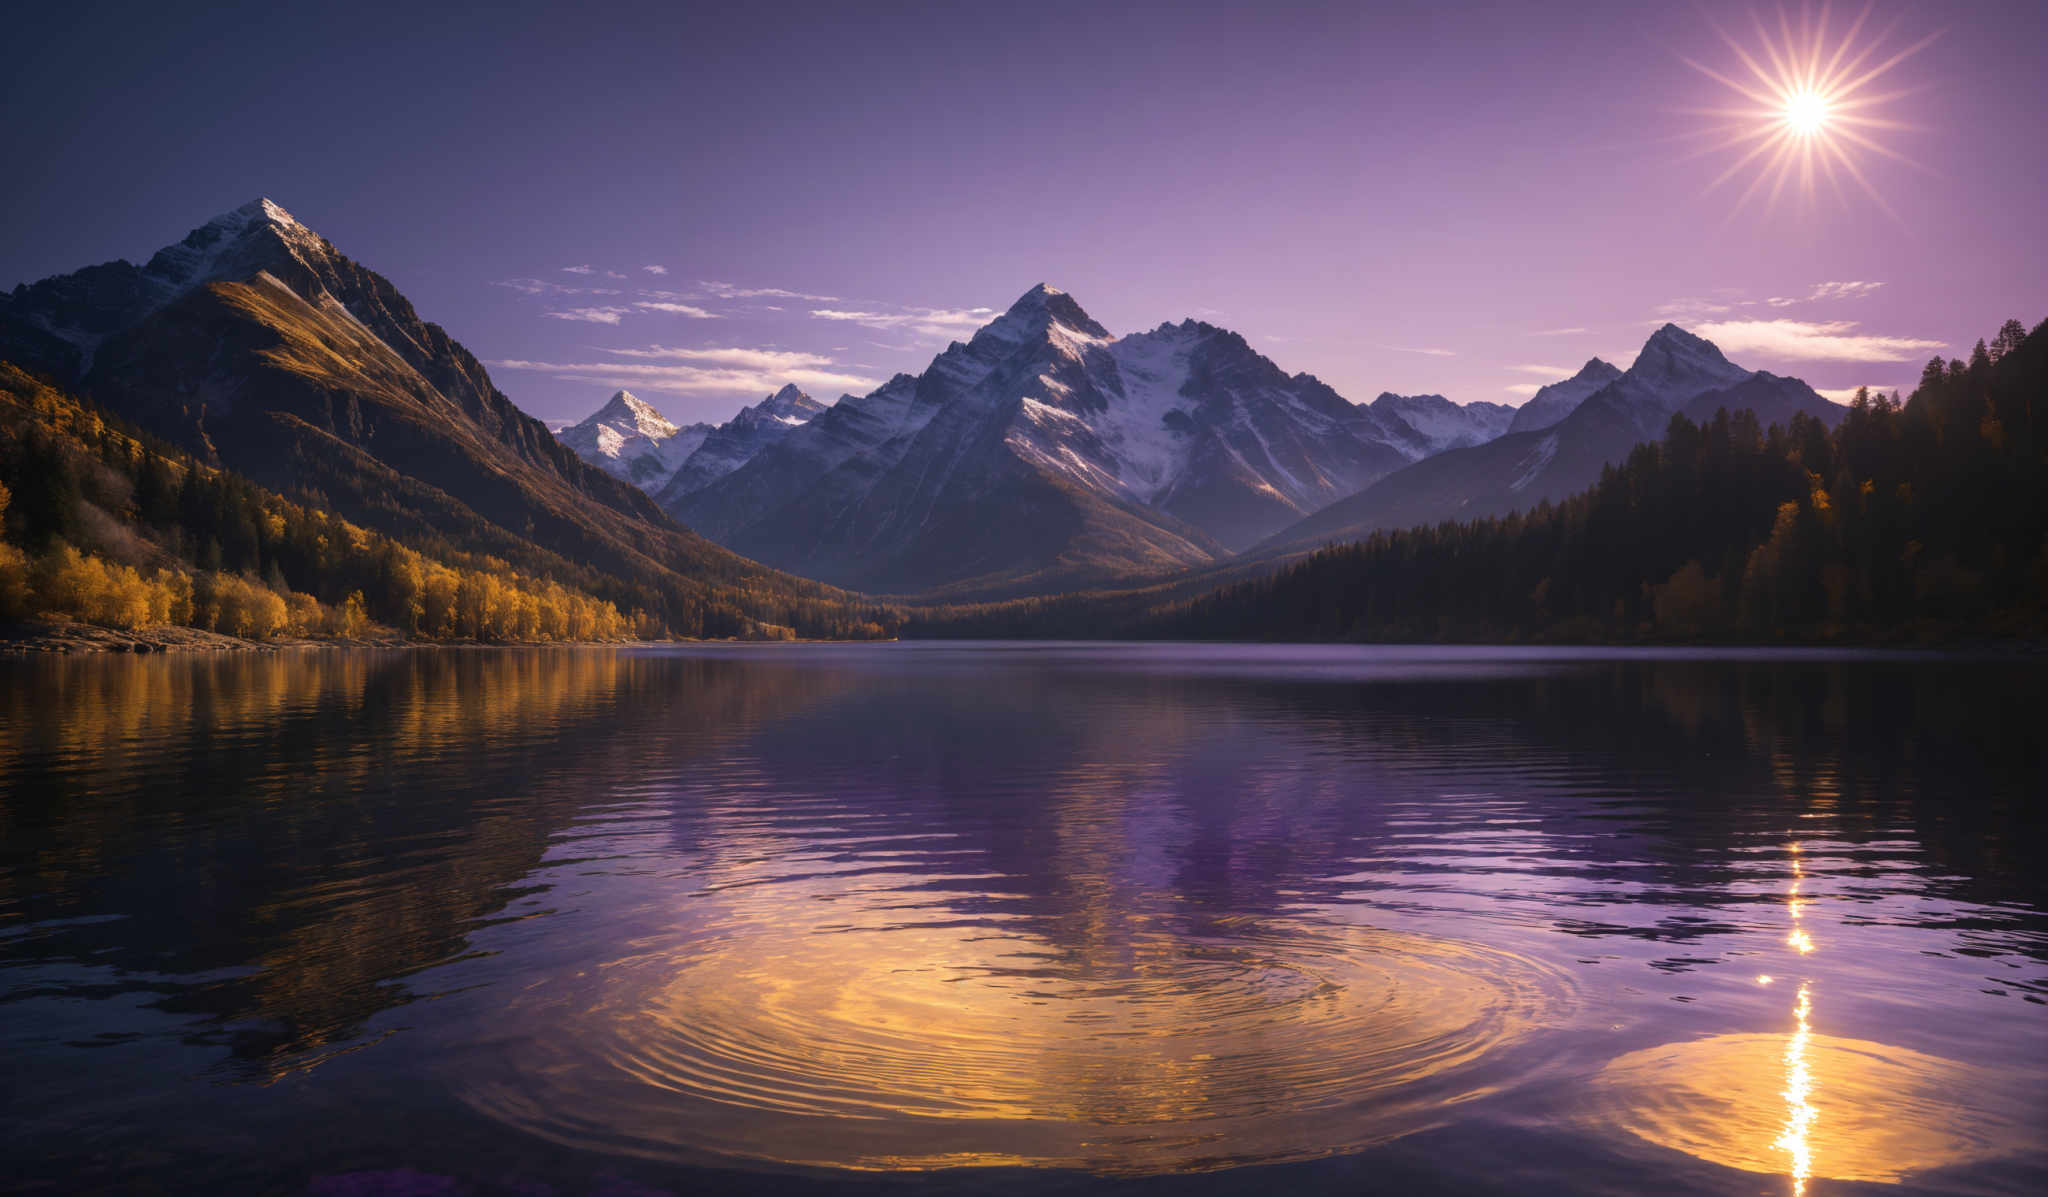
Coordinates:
<point>1018,918</point>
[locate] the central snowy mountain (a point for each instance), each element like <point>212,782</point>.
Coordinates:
<point>627,438</point>
<point>1046,453</point>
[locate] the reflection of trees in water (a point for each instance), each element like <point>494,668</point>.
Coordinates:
<point>316,826</point>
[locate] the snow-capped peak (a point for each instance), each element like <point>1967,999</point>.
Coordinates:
<point>1043,312</point>
<point>627,412</point>
<point>232,244</point>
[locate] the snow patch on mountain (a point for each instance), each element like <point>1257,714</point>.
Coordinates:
<point>1140,432</point>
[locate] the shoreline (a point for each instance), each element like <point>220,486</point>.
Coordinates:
<point>70,638</point>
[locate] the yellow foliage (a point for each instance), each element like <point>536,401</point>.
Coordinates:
<point>70,583</point>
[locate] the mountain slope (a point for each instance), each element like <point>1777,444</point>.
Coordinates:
<point>628,439</point>
<point>1676,371</point>
<point>1559,399</point>
<point>1046,453</point>
<point>257,346</point>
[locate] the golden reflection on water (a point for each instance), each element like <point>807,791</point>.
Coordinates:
<point>1796,1138</point>
<point>1808,1105</point>
<point>1140,1045</point>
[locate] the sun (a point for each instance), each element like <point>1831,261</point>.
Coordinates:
<point>1814,112</point>
<point>1806,113</point>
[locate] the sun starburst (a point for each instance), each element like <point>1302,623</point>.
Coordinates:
<point>1813,110</point>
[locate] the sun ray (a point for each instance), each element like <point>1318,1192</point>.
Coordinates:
<point>1814,108</point>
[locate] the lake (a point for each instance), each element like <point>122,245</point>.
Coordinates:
<point>1017,918</point>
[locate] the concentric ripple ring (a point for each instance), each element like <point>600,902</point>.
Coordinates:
<point>957,1044</point>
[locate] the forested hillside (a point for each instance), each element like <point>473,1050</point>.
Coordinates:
<point>108,525</point>
<point>1926,521</point>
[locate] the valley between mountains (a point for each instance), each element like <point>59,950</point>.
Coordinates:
<point>1046,464</point>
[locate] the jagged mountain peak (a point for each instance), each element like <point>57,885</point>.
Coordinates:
<point>1037,315</point>
<point>1680,345</point>
<point>234,245</point>
<point>627,410</point>
<point>790,406</point>
<point>1675,365</point>
<point>264,209</point>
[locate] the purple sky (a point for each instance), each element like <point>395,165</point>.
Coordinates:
<point>1393,197</point>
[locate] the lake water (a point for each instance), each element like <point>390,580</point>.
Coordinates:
<point>1018,918</point>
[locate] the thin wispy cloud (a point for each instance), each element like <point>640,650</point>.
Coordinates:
<point>536,286</point>
<point>926,322</point>
<point>613,274</point>
<point>755,359</point>
<point>1425,351</point>
<point>1523,389</point>
<point>651,269</point>
<point>1556,332</point>
<point>1812,341</point>
<point>675,309</point>
<point>1827,291</point>
<point>590,315</point>
<point>735,371</point>
<point>578,270</point>
<point>1546,371</point>
<point>734,291</point>
<point>1856,290</point>
<point>1694,307</point>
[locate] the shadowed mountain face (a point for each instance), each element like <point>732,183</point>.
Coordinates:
<point>1560,399</point>
<point>1676,373</point>
<point>734,443</point>
<point>258,346</point>
<point>1046,453</point>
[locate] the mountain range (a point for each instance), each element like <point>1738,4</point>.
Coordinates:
<point>256,345</point>
<point>1042,454</point>
<point>627,438</point>
<point>1440,424</point>
<point>1046,453</point>
<point>1676,373</point>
